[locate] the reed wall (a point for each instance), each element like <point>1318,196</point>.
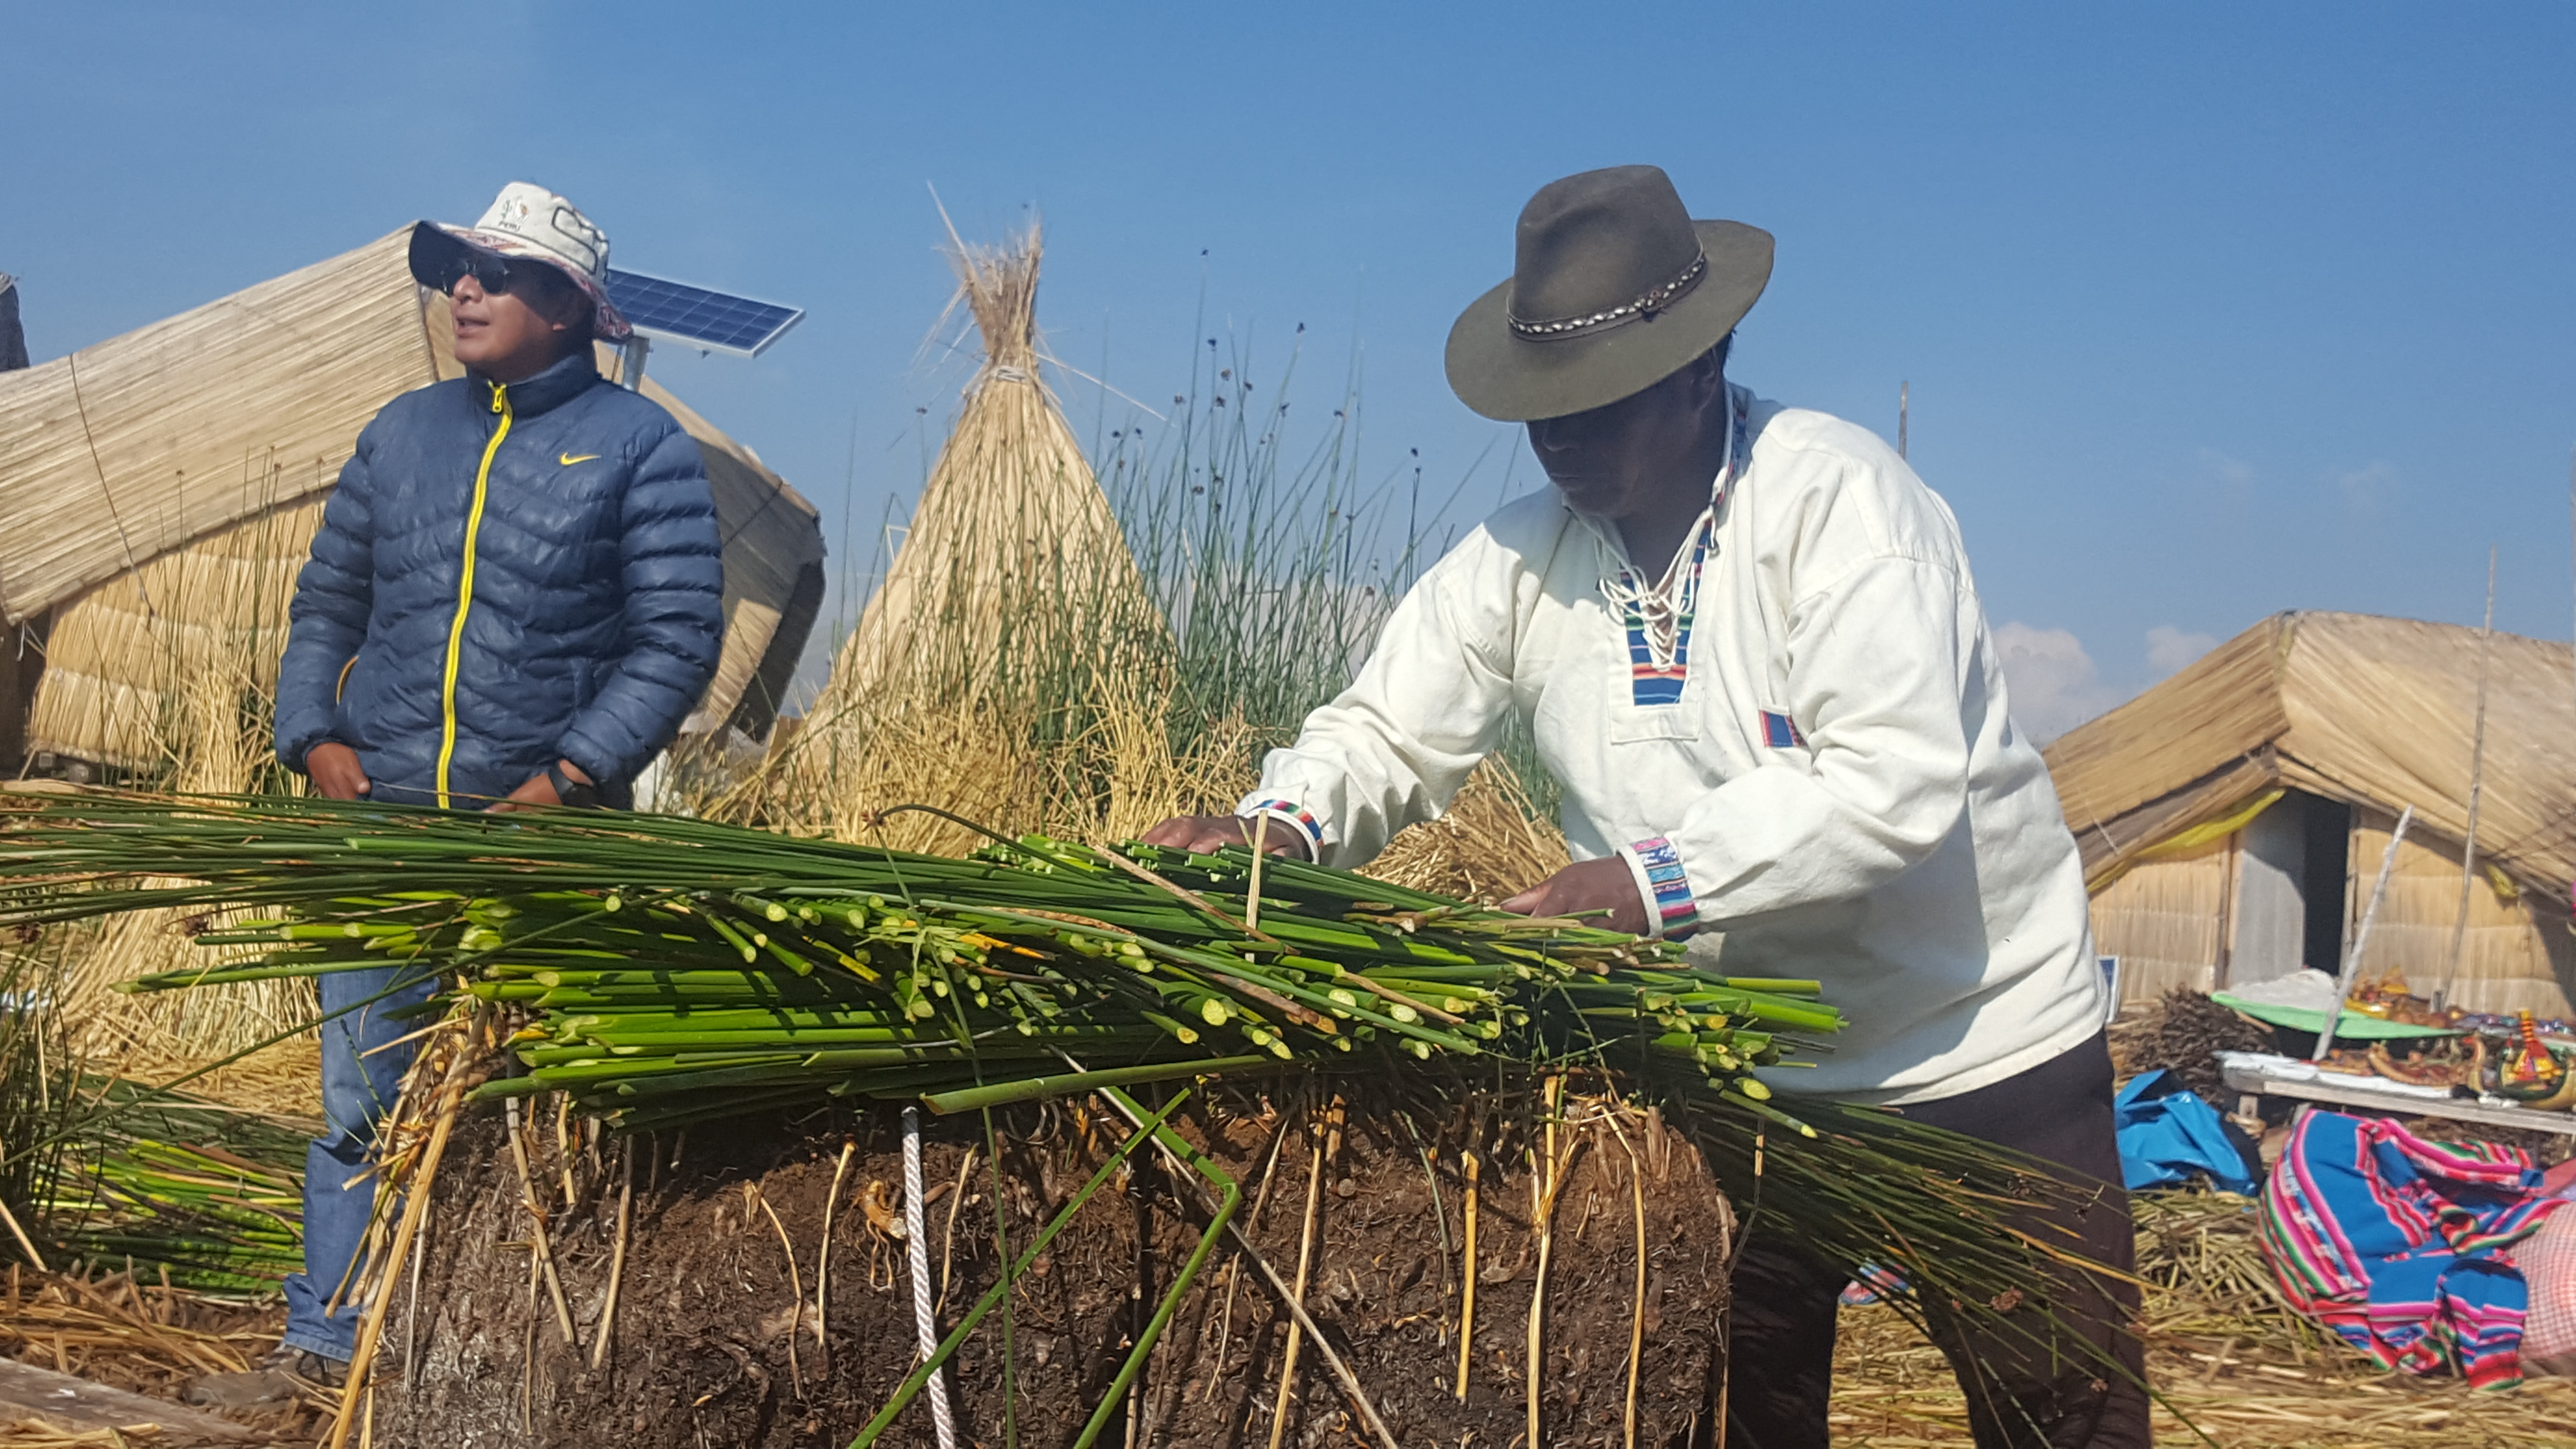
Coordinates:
<point>2164,919</point>
<point>2515,954</point>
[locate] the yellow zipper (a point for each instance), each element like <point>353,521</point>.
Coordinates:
<point>465,593</point>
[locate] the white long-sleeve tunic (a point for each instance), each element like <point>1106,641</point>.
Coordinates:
<point>1801,748</point>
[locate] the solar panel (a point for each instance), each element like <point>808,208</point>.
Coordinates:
<point>697,317</point>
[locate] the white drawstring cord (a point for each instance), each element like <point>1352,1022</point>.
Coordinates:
<point>925,1327</point>
<point>1659,606</point>
<point>1660,603</point>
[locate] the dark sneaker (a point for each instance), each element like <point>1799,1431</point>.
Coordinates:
<point>280,1376</point>
<point>317,1370</point>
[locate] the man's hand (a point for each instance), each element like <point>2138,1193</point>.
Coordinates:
<point>1591,885</point>
<point>540,790</point>
<point>334,770</point>
<point>1207,834</point>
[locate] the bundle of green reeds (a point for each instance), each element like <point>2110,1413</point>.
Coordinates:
<point>728,968</point>
<point>211,1221</point>
<point>171,1188</point>
<point>669,969</point>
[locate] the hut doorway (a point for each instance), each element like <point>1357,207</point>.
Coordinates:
<point>2329,878</point>
<point>22,662</point>
<point>2288,899</point>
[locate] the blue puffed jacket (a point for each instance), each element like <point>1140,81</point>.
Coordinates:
<point>505,576</point>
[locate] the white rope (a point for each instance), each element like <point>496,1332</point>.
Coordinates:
<point>1659,605</point>
<point>916,1242</point>
<point>1661,601</point>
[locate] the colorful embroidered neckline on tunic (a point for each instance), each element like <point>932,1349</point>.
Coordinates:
<point>1658,625</point>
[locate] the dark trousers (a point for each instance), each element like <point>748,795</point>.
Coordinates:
<point>2020,1393</point>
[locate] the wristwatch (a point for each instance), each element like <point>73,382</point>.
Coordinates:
<point>576,793</point>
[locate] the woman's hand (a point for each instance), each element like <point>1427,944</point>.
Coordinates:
<point>1208,834</point>
<point>334,770</point>
<point>1592,885</point>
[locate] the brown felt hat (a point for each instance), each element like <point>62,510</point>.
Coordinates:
<point>1613,289</point>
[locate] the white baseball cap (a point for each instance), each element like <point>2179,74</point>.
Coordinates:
<point>525,222</point>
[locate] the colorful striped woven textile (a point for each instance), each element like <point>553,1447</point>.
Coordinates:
<point>2399,1245</point>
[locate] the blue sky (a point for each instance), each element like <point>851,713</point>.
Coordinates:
<point>2208,311</point>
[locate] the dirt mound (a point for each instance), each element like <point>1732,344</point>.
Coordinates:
<point>715,1336</point>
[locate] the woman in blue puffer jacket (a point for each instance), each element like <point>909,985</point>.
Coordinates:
<point>515,598</point>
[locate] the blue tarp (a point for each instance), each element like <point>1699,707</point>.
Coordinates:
<point>2168,1136</point>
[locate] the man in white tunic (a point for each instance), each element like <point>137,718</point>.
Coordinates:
<point>1746,642</point>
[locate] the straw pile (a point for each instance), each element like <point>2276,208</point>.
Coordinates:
<point>1893,1390</point>
<point>1489,845</point>
<point>127,1332</point>
<point>142,1337</point>
<point>2221,1348</point>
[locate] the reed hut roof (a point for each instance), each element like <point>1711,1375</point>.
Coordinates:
<point>2371,711</point>
<point>121,458</point>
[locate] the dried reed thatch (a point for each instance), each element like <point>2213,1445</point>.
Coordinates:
<point>133,447</point>
<point>2370,711</point>
<point>1011,517</point>
<point>171,672</point>
<point>1490,844</point>
<point>1012,668</point>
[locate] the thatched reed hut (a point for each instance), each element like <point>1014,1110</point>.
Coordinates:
<point>158,489</point>
<point>2233,818</point>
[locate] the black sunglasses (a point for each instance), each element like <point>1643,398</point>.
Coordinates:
<point>497,275</point>
<point>493,273</point>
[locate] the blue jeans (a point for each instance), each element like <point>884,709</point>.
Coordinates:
<point>357,1091</point>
